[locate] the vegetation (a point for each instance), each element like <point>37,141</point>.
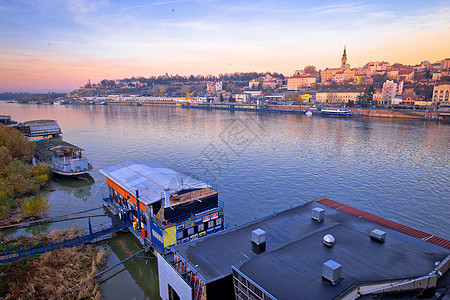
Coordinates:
<point>64,273</point>
<point>35,206</point>
<point>366,99</point>
<point>17,178</point>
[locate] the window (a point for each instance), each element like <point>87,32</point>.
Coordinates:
<point>190,231</point>
<point>201,227</point>
<point>180,234</point>
<point>211,224</point>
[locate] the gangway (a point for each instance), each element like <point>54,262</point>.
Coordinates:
<point>26,250</point>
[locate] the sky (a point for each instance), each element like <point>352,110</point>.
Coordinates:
<point>58,45</point>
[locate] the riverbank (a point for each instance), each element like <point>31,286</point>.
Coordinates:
<point>65,273</point>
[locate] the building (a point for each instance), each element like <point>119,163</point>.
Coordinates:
<point>409,97</point>
<point>388,92</point>
<point>270,84</point>
<point>242,98</point>
<point>406,75</point>
<point>338,75</point>
<point>213,87</point>
<point>436,76</point>
<point>297,82</point>
<point>441,94</point>
<point>373,67</point>
<point>319,250</point>
<point>253,84</point>
<point>337,97</point>
<point>162,207</point>
<point>446,64</point>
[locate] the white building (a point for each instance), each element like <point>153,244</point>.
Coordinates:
<point>388,92</point>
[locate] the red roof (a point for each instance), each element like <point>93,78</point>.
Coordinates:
<point>385,222</point>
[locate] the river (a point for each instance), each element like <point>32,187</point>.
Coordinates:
<point>261,162</point>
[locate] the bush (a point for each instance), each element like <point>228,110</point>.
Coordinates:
<point>17,143</point>
<point>35,206</point>
<point>40,173</point>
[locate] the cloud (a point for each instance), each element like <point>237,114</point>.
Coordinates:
<point>344,8</point>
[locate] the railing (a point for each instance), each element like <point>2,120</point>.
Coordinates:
<point>73,238</point>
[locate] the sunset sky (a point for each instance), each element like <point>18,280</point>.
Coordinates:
<point>53,45</point>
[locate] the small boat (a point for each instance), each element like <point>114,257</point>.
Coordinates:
<point>309,113</point>
<point>103,103</point>
<point>67,160</point>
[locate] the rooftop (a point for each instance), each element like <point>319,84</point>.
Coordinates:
<point>150,179</point>
<point>294,250</point>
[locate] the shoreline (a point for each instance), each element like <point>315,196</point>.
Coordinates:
<point>297,109</point>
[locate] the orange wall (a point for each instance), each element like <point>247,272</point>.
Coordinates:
<point>125,194</point>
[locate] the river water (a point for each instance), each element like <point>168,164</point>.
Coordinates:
<point>261,163</point>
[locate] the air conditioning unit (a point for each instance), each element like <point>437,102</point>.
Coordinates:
<point>331,271</point>
<point>318,214</point>
<point>258,241</point>
<point>378,235</point>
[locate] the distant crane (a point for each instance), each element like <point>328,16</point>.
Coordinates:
<point>189,96</point>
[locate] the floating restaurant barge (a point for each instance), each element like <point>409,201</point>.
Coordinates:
<point>162,207</point>
<point>319,250</point>
<point>38,130</point>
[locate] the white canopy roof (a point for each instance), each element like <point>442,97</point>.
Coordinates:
<point>150,179</point>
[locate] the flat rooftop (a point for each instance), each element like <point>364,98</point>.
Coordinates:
<point>150,178</point>
<point>292,262</point>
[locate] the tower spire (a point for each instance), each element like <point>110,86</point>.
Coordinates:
<point>344,57</point>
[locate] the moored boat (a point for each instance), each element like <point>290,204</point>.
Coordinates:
<point>67,159</point>
<point>337,112</point>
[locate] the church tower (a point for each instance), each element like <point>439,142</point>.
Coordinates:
<point>344,58</point>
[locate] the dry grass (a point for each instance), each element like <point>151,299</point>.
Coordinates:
<point>54,275</point>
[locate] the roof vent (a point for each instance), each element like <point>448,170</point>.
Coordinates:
<point>258,241</point>
<point>318,214</point>
<point>331,271</point>
<point>378,235</point>
<point>328,240</point>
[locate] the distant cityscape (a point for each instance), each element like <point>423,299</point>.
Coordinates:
<point>426,85</point>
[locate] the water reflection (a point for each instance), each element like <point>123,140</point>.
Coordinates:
<point>142,269</point>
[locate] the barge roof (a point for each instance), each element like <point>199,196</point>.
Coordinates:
<point>150,178</point>
<point>292,262</point>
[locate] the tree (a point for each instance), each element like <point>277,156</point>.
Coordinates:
<point>310,69</point>
<point>16,143</point>
<point>366,98</point>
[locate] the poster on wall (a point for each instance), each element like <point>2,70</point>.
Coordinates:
<point>189,224</point>
<point>170,236</point>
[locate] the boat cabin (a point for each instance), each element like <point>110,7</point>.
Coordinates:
<point>162,207</point>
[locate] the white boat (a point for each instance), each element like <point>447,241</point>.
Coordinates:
<point>309,113</point>
<point>335,112</point>
<point>67,160</point>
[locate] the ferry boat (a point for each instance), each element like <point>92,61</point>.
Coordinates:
<point>336,112</point>
<point>160,206</point>
<point>67,160</point>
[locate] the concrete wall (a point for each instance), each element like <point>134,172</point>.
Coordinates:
<point>168,275</point>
